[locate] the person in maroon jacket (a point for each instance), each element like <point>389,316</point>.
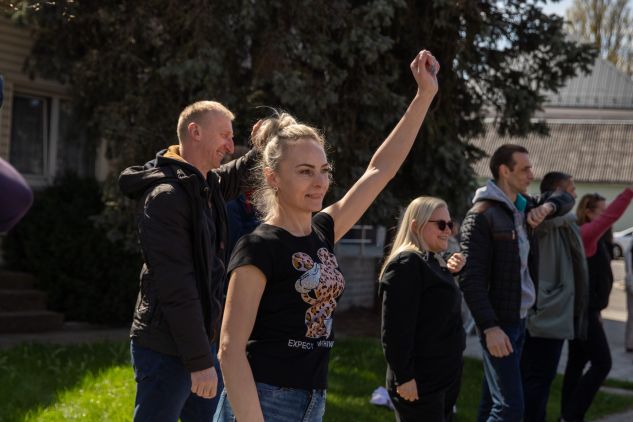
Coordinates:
<point>579,389</point>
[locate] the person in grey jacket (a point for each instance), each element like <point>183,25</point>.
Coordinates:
<point>561,298</point>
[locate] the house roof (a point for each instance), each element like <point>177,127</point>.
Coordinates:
<point>591,151</point>
<point>604,87</point>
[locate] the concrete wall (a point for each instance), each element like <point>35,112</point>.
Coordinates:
<point>360,282</point>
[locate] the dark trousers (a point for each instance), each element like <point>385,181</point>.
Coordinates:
<point>434,407</point>
<point>502,390</point>
<point>539,362</point>
<point>163,389</point>
<point>579,389</point>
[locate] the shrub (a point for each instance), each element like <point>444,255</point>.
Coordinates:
<point>86,276</point>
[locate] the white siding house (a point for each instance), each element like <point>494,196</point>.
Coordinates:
<point>37,134</point>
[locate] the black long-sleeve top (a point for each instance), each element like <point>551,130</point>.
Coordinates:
<point>422,332</point>
<point>600,276</point>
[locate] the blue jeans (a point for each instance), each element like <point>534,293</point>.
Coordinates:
<point>539,362</point>
<point>280,404</point>
<point>163,389</point>
<point>502,390</point>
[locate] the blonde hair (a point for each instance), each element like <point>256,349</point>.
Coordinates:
<point>273,137</point>
<point>420,210</point>
<point>195,112</point>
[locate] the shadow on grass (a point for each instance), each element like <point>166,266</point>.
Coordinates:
<point>34,376</point>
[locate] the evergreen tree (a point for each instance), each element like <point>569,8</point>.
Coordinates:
<point>339,65</point>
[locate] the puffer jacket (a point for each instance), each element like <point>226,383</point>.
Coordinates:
<point>182,228</point>
<point>491,278</point>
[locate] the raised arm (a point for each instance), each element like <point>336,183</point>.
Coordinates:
<point>552,205</point>
<point>593,230</point>
<point>242,301</point>
<point>391,154</point>
<point>235,176</point>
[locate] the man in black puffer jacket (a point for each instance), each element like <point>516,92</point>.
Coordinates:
<point>182,227</point>
<point>499,278</point>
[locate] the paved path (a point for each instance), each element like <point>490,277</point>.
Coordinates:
<point>620,417</point>
<point>71,333</point>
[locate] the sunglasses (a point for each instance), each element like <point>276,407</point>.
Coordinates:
<point>442,225</point>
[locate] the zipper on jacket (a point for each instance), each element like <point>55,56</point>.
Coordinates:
<point>207,196</point>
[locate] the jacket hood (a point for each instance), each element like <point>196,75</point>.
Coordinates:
<point>135,180</point>
<point>492,192</point>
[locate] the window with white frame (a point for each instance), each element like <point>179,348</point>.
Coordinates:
<point>74,153</point>
<point>44,141</point>
<point>29,134</point>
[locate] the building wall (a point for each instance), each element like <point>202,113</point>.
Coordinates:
<point>15,46</point>
<point>361,280</point>
<point>62,148</point>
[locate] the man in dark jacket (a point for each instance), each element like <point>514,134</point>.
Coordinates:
<point>499,278</point>
<point>183,235</point>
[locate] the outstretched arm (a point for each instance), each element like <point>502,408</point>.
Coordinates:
<point>593,230</point>
<point>391,154</point>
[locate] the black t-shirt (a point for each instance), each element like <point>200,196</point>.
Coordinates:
<point>292,336</point>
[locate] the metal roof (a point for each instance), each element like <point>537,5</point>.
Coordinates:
<point>598,152</point>
<point>604,87</point>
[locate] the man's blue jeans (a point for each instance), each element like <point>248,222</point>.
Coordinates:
<point>163,389</point>
<point>502,390</point>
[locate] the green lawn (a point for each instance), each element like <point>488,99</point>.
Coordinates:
<point>95,383</point>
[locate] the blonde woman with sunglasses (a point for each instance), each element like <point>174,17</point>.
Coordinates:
<point>422,334</point>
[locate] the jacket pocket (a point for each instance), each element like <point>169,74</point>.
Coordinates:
<point>552,297</point>
<point>146,311</point>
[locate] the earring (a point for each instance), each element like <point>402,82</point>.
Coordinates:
<point>276,189</point>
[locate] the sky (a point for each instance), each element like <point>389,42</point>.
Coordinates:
<point>558,7</point>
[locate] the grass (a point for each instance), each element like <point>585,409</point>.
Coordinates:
<point>96,383</point>
<point>357,366</point>
<point>92,382</point>
<point>625,385</point>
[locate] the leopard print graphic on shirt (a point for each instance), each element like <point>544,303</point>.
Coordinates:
<point>319,285</point>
